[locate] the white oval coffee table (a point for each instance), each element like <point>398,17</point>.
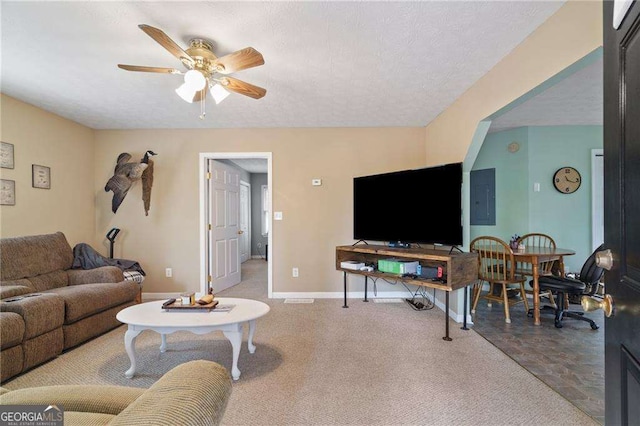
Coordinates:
<point>151,316</point>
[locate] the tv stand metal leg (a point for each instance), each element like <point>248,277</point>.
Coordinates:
<point>365,288</point>
<point>464,320</point>
<point>446,318</point>
<point>345,290</point>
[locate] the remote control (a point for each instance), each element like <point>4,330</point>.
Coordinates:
<point>168,302</point>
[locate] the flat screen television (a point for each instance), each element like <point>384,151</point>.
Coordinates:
<point>410,206</point>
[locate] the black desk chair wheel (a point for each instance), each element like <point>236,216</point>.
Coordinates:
<point>587,285</point>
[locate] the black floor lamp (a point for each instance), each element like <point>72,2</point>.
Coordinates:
<point>111,236</point>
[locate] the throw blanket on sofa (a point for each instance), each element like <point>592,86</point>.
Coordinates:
<point>85,257</point>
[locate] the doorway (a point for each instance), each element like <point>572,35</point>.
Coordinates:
<point>555,125</point>
<point>212,265</point>
<point>245,221</point>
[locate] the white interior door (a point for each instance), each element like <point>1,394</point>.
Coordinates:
<point>245,221</point>
<point>224,229</point>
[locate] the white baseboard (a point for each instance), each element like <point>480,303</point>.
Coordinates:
<point>339,295</point>
<point>359,295</point>
<point>299,295</point>
<point>333,295</point>
<point>257,256</point>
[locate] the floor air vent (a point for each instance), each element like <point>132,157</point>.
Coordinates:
<point>298,300</point>
<point>387,300</point>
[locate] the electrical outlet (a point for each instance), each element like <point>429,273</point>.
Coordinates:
<point>168,272</point>
<point>294,272</point>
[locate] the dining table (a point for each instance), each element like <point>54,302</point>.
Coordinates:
<point>535,256</point>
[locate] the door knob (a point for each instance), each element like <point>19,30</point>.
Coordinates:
<point>240,232</point>
<point>604,259</point>
<point>592,304</point>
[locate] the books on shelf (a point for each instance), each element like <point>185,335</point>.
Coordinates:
<point>397,266</point>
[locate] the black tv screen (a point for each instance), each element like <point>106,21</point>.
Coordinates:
<point>411,206</point>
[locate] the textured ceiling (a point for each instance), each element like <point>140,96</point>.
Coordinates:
<point>576,100</point>
<point>328,64</point>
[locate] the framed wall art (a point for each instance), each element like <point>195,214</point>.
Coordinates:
<point>7,192</point>
<point>41,176</point>
<point>6,155</point>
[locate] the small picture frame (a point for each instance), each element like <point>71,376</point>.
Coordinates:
<point>6,155</point>
<point>40,176</point>
<point>7,192</point>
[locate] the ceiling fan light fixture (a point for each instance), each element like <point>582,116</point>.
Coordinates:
<point>203,66</point>
<point>186,93</point>
<point>219,93</point>
<point>195,80</point>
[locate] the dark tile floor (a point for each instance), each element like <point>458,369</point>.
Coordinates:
<point>570,360</point>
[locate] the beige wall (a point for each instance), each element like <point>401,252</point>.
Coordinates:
<point>316,219</point>
<point>567,36</point>
<point>40,137</point>
<point>570,34</point>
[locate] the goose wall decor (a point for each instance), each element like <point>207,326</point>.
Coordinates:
<point>124,175</point>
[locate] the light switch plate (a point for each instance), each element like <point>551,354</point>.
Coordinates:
<point>316,182</point>
<point>277,215</point>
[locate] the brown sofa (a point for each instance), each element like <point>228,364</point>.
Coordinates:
<point>46,307</point>
<point>193,393</point>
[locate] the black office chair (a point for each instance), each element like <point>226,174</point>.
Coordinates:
<point>586,285</point>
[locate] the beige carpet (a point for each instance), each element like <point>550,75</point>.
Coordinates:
<point>320,364</point>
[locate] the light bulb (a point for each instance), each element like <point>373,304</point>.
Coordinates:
<point>219,93</point>
<point>195,80</point>
<point>186,93</point>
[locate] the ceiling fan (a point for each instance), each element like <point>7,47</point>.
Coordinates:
<point>206,72</point>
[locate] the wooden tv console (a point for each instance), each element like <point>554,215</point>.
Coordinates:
<point>459,270</point>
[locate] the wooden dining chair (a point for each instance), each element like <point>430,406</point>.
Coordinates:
<point>496,266</point>
<point>544,268</point>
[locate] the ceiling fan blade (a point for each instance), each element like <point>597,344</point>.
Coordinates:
<point>240,60</point>
<point>149,69</point>
<point>167,43</point>
<point>242,87</point>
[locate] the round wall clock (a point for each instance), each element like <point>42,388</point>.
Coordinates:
<point>567,180</point>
